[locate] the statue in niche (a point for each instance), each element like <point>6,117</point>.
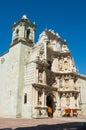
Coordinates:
<point>41,56</point>
<point>44,77</point>
<point>60,64</point>
<point>55,83</point>
<point>64,48</point>
<point>65,65</point>
<point>71,95</point>
<point>60,83</point>
<point>40,77</point>
<point>63,100</point>
<point>67,99</point>
<point>39,97</point>
<point>63,95</point>
<point>66,83</point>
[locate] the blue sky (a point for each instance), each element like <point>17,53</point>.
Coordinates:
<point>66,17</point>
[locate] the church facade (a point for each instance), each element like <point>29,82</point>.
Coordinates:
<point>34,77</point>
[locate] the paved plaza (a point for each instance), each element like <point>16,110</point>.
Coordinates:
<point>78,123</point>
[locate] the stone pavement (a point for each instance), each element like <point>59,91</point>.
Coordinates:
<point>74,123</point>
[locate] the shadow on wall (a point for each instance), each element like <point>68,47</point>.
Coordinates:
<point>65,126</point>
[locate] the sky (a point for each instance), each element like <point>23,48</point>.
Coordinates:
<point>66,17</point>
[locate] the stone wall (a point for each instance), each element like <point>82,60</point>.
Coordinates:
<point>4,89</point>
<point>9,82</point>
<point>82,96</point>
<point>29,79</point>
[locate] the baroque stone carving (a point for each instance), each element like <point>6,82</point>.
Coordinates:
<point>65,48</point>
<point>60,64</point>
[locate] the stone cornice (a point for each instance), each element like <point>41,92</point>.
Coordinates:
<point>82,76</point>
<point>63,73</point>
<point>41,63</point>
<point>68,91</point>
<point>23,42</point>
<point>25,21</point>
<point>43,86</point>
<point>4,53</point>
<point>58,53</point>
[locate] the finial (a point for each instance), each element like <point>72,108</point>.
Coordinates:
<point>14,22</point>
<point>34,22</point>
<point>64,40</point>
<point>24,16</point>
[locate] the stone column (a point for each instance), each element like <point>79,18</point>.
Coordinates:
<point>33,96</point>
<point>70,64</point>
<point>72,102</point>
<point>71,83</point>
<point>45,50</point>
<point>77,101</point>
<point>59,101</point>
<point>63,83</point>
<point>58,83</point>
<point>57,64</point>
<point>36,97</point>
<point>68,59</point>
<point>43,98</point>
<point>44,77</point>
<point>33,109</point>
<point>36,74</point>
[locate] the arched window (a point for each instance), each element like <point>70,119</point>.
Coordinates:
<point>25,98</point>
<point>28,33</point>
<point>17,31</point>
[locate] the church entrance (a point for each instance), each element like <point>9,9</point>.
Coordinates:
<point>50,104</point>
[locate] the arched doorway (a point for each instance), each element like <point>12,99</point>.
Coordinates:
<point>50,103</point>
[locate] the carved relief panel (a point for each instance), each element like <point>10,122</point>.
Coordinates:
<point>55,65</point>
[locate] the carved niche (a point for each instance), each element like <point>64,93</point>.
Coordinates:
<point>66,65</point>
<point>40,76</point>
<point>65,48</point>
<point>55,84</point>
<point>67,100</point>
<point>66,83</point>
<point>39,97</point>
<point>60,65</point>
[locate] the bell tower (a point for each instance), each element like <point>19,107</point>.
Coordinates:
<point>23,31</point>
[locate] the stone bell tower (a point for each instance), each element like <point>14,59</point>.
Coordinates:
<point>22,43</point>
<point>23,31</point>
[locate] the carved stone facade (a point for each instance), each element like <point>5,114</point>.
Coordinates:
<point>37,76</point>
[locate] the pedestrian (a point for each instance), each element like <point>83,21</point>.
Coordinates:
<point>50,112</point>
